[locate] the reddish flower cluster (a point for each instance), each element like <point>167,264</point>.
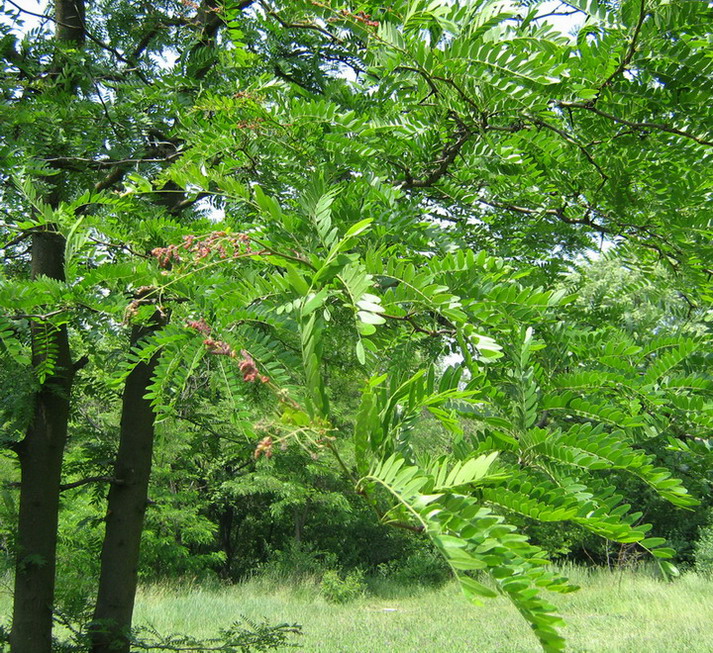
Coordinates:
<point>166,254</point>
<point>219,242</point>
<point>219,347</point>
<point>141,298</point>
<point>246,95</point>
<point>249,124</point>
<point>248,367</point>
<point>365,18</point>
<point>249,370</point>
<point>359,16</point>
<point>264,446</point>
<point>199,325</point>
<point>191,4</point>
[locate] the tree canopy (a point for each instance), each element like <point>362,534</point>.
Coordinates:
<point>322,223</point>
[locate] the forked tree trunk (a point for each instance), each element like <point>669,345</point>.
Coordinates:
<point>126,506</point>
<point>40,454</point>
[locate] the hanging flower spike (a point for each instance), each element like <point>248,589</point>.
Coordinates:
<point>264,446</point>
<point>219,347</point>
<point>199,325</point>
<point>164,255</point>
<point>248,368</point>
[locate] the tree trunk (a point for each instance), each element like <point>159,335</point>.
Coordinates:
<point>40,454</point>
<point>126,506</point>
<point>42,449</point>
<point>300,515</point>
<point>127,500</point>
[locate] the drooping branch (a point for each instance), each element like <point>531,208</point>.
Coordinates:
<point>80,163</point>
<point>410,319</point>
<point>162,22</point>
<point>651,126</point>
<point>559,213</point>
<point>538,122</point>
<point>300,25</point>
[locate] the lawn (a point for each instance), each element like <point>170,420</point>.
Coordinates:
<point>613,612</point>
<point>633,612</point>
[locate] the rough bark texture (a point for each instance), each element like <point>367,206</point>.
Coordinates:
<point>69,17</point>
<point>40,454</point>
<point>126,506</point>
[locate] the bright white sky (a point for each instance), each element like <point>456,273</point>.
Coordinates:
<point>30,22</point>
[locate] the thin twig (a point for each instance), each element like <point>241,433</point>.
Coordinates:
<point>631,50</point>
<point>90,479</point>
<point>541,123</point>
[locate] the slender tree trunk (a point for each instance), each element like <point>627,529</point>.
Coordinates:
<point>126,506</point>
<point>40,454</point>
<point>127,500</point>
<point>41,451</point>
<point>300,519</point>
<point>226,517</point>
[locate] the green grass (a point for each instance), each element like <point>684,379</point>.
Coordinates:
<point>633,612</point>
<point>626,611</point>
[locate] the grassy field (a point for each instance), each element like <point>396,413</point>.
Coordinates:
<point>627,611</point>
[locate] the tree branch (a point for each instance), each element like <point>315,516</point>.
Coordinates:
<point>448,156</point>
<point>632,123</point>
<point>417,327</point>
<point>564,135</point>
<point>90,479</point>
<point>631,50</point>
<point>89,35</point>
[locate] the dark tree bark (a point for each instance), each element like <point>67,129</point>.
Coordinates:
<point>128,496</point>
<point>69,16</point>
<point>41,451</point>
<point>40,454</point>
<point>126,507</point>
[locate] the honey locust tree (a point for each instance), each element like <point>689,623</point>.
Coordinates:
<point>421,172</point>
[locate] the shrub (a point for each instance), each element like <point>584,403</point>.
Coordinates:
<point>296,562</point>
<point>338,589</point>
<point>703,550</point>
<point>424,566</point>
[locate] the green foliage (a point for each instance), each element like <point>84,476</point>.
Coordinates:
<point>703,551</point>
<point>424,566</point>
<point>472,538</point>
<point>244,636</point>
<point>373,284</point>
<point>342,588</point>
<point>241,637</point>
<point>296,563</point>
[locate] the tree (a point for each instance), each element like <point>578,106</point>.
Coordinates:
<point>40,451</point>
<point>460,128</point>
<point>66,82</point>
